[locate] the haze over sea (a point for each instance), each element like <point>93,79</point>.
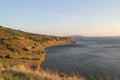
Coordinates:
<point>89,56</point>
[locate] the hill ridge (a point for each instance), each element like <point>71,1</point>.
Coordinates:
<point>22,48</point>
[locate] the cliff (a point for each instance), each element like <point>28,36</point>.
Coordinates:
<point>20,49</point>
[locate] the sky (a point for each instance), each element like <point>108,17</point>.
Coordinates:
<point>62,17</point>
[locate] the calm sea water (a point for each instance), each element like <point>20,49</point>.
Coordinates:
<point>89,57</point>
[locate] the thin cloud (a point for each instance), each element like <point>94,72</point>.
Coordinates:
<point>66,21</point>
<point>64,16</point>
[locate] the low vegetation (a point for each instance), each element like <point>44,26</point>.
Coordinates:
<point>15,75</point>
<point>22,48</point>
<point>22,53</point>
<point>30,75</point>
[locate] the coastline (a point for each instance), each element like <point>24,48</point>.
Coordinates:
<point>23,53</point>
<point>19,48</point>
<point>26,64</point>
<point>64,42</point>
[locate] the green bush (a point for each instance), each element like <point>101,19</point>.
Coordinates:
<point>1,56</point>
<point>9,46</point>
<point>25,49</point>
<point>40,52</point>
<point>26,58</point>
<point>8,56</point>
<point>36,58</point>
<point>33,67</point>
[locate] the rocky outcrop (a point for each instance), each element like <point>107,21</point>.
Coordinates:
<point>58,42</point>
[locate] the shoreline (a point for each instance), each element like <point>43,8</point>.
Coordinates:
<point>45,47</point>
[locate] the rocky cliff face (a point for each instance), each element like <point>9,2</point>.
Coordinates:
<point>58,42</point>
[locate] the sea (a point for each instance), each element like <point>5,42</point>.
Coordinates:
<point>91,57</point>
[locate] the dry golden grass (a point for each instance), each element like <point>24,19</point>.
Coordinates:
<point>19,45</point>
<point>19,50</point>
<point>47,75</point>
<point>0,66</point>
<point>23,74</point>
<point>55,76</point>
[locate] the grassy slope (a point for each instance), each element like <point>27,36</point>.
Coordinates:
<point>22,53</point>
<point>19,75</point>
<point>23,48</point>
<point>25,51</point>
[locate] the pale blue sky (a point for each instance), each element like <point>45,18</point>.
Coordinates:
<point>62,17</point>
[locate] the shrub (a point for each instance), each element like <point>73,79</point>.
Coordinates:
<point>33,67</point>
<point>36,58</point>
<point>33,47</point>
<point>25,49</point>
<point>8,56</point>
<point>26,58</point>
<point>40,52</point>
<point>11,48</point>
<point>1,56</point>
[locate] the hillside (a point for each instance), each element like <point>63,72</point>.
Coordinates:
<point>19,48</point>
